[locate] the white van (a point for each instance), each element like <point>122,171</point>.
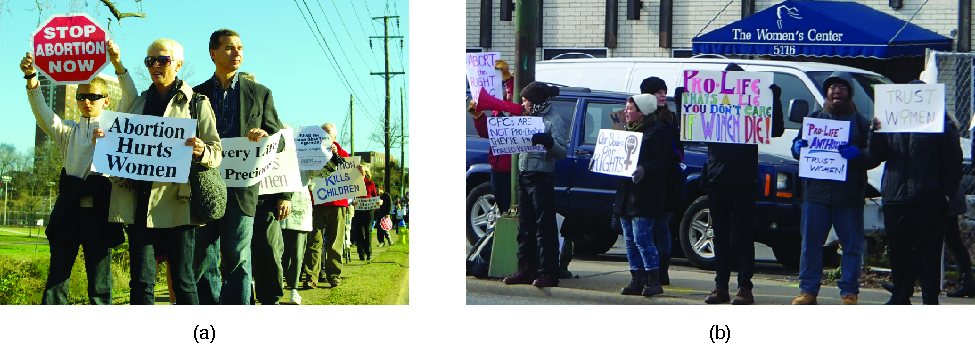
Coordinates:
<point>798,80</point>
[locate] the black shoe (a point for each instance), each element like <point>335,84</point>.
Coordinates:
<point>718,295</point>
<point>664,266</point>
<point>638,280</point>
<point>547,281</point>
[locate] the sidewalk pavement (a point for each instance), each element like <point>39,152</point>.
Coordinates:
<point>600,282</point>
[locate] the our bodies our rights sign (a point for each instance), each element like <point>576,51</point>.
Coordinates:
<point>146,148</point>
<point>617,152</point>
<point>727,107</point>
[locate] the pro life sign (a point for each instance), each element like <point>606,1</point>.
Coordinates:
<point>346,182</point>
<point>821,159</point>
<point>69,48</point>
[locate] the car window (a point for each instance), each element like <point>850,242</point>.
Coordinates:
<point>597,117</point>
<point>862,88</point>
<point>471,131</point>
<point>565,108</point>
<point>793,88</point>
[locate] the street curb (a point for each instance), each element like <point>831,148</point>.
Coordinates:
<point>588,296</point>
<point>404,290</point>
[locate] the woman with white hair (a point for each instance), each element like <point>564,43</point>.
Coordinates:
<point>158,212</point>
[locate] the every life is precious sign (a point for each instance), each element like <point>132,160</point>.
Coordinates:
<point>69,48</point>
<point>617,152</point>
<point>821,158</point>
<point>727,107</point>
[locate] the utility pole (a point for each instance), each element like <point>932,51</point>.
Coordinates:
<point>526,28</point>
<point>387,75</point>
<point>402,147</point>
<point>351,129</point>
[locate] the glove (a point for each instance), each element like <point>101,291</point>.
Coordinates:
<point>849,152</point>
<point>543,139</point>
<point>776,90</point>
<point>470,109</point>
<point>799,144</point>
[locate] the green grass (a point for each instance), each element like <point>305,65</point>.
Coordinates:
<point>373,283</point>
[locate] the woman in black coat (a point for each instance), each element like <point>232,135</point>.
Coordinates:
<point>642,201</point>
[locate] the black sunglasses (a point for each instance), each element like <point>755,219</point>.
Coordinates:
<point>89,96</point>
<point>163,60</point>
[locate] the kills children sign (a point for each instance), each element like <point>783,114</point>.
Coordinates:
<point>617,152</point>
<point>727,107</point>
<point>821,158</point>
<point>481,74</point>
<point>511,135</point>
<point>245,162</point>
<point>912,108</point>
<point>346,182</point>
<point>69,48</point>
<point>146,148</point>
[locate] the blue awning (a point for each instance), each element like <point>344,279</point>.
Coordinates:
<point>821,29</point>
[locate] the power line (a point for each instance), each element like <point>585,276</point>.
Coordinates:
<point>342,49</point>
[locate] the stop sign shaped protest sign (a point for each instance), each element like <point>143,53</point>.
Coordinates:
<point>70,48</point>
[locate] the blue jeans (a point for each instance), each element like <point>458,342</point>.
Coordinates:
<point>814,227</point>
<point>178,243</point>
<point>234,231</point>
<point>661,238</point>
<point>638,232</point>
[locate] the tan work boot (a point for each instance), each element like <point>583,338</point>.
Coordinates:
<point>806,299</point>
<point>849,299</point>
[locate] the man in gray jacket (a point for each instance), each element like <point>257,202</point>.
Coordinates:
<point>538,243</point>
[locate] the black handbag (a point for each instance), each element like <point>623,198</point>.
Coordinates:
<point>208,200</point>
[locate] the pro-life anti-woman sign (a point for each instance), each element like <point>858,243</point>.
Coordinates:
<point>821,158</point>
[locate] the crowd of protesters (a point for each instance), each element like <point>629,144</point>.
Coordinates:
<point>262,243</point>
<point>922,176</point>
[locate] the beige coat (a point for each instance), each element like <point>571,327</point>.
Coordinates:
<point>165,211</point>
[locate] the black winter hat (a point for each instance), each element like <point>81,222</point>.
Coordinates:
<point>733,67</point>
<point>839,78</point>
<point>538,93</point>
<point>652,84</point>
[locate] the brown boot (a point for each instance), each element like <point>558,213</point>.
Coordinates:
<point>744,297</point>
<point>523,276</point>
<point>637,282</point>
<point>653,284</point>
<point>718,295</point>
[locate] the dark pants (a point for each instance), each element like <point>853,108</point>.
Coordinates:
<point>382,235</point>
<point>956,245</point>
<point>733,218</point>
<point>178,243</point>
<point>538,233</point>
<point>501,183</point>
<point>291,258</point>
<point>98,265</point>
<point>266,249</point>
<point>362,233</point>
<point>916,244</point>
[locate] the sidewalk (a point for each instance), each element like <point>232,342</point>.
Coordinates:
<point>595,283</point>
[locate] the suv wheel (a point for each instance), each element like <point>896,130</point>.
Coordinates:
<point>482,212</point>
<point>696,235</point>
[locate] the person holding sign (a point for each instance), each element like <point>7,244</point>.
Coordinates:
<point>922,172</point>
<point>382,235</point>
<point>500,164</point>
<point>80,215</point>
<point>643,201</point>
<point>328,221</point>
<point>362,220</point>
<point>538,242</point>
<point>829,203</point>
<point>156,211</point>
<point>243,108</point>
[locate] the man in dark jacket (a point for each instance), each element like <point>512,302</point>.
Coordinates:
<point>923,170</point>
<point>730,177</point>
<point>832,203</point>
<point>243,108</point>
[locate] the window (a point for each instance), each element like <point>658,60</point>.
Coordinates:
<point>565,108</point>
<point>471,131</point>
<point>475,50</point>
<point>793,88</point>
<point>597,117</point>
<point>572,53</point>
<point>681,52</point>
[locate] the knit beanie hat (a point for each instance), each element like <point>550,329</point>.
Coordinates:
<point>651,85</point>
<point>538,93</point>
<point>843,78</point>
<point>503,67</point>
<point>733,67</point>
<point>647,103</point>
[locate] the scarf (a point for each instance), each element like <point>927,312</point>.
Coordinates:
<point>639,126</point>
<point>538,109</point>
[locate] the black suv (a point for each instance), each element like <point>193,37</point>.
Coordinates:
<point>585,198</point>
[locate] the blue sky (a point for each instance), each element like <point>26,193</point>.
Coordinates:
<point>279,48</point>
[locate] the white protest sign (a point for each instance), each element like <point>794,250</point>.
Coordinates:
<point>821,158</point>
<point>727,107</point>
<point>284,175</point>
<point>481,74</point>
<point>344,183</point>
<point>617,152</point>
<point>510,135</point>
<point>912,108</point>
<point>146,148</point>
<point>371,203</point>
<point>313,147</point>
<point>246,162</point>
